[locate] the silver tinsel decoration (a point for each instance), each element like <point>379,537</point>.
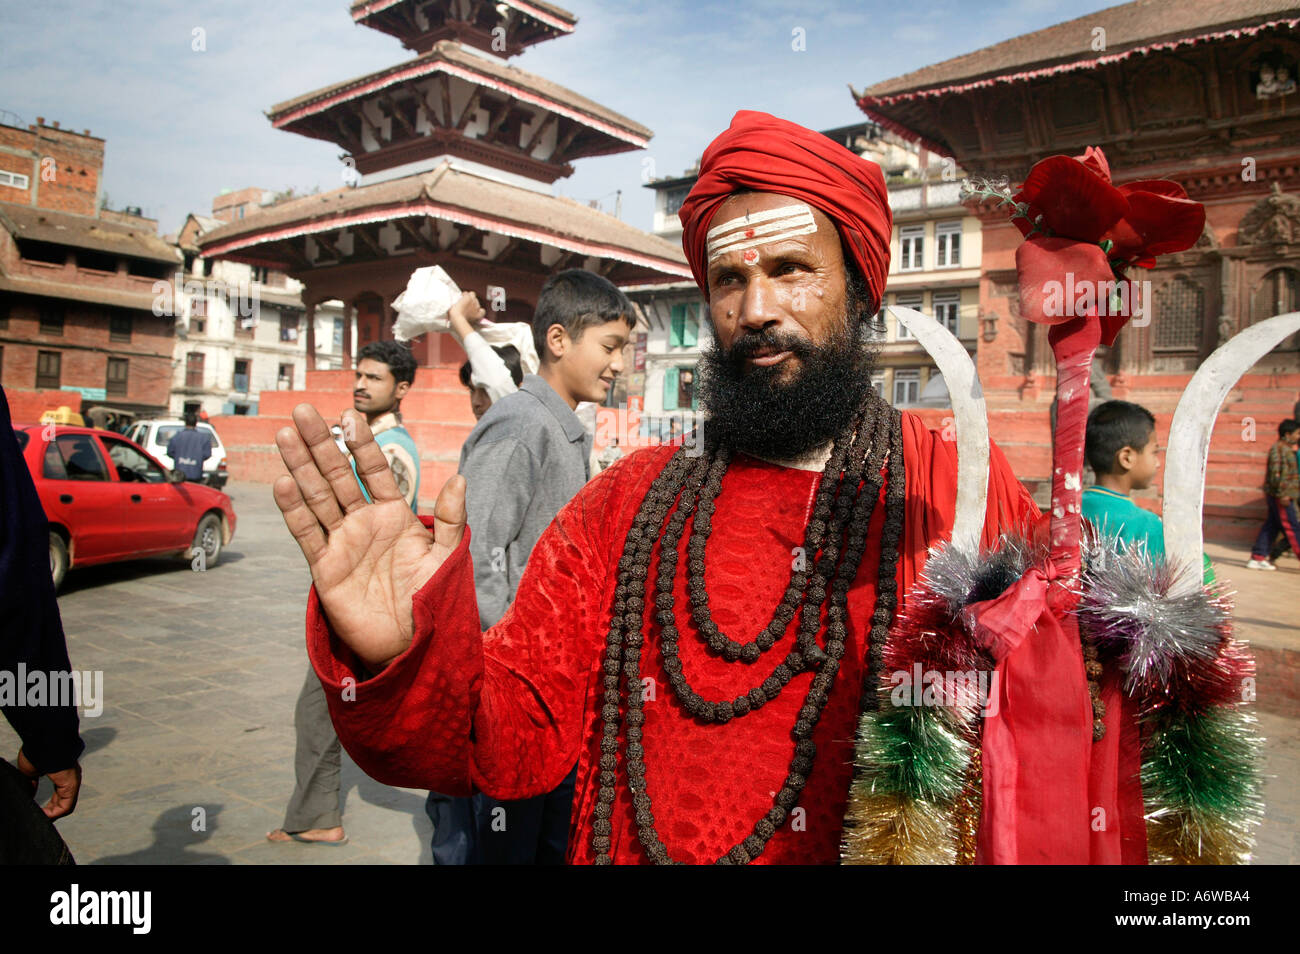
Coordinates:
<point>960,578</point>
<point>1127,606</point>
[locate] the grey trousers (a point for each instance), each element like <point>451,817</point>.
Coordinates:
<point>317,759</point>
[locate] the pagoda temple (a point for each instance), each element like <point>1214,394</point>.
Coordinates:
<point>449,159</point>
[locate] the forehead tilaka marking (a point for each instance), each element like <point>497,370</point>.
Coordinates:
<point>760,228</point>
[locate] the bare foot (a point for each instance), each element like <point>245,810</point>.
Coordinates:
<point>332,835</point>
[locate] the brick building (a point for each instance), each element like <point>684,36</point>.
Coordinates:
<point>51,168</point>
<point>78,323</point>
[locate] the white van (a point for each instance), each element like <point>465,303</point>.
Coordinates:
<point>154,435</point>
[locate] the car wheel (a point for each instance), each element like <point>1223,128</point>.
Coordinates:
<point>208,539</point>
<point>58,559</point>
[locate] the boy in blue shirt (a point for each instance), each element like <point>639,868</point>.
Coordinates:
<point>1122,450</point>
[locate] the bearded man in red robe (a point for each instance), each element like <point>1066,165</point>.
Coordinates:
<point>700,628</point>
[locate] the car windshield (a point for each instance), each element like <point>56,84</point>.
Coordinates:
<point>168,431</point>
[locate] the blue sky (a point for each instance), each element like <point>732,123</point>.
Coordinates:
<point>182,125</point>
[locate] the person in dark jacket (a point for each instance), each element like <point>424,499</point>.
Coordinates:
<point>189,448</point>
<point>31,640</point>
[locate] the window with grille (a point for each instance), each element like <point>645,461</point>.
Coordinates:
<point>674,198</point>
<point>946,307</point>
<point>194,369</point>
<point>288,326</point>
<point>905,301</point>
<point>116,383</point>
<point>907,387</point>
<point>947,245</point>
<point>51,319</point>
<point>241,374</point>
<point>878,384</point>
<point>49,370</point>
<point>284,380</point>
<point>911,246</point>
<point>1180,315</point>
<point>119,326</point>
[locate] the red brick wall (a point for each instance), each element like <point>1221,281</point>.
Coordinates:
<point>86,348</point>
<point>224,206</point>
<point>68,183</point>
<point>26,407</point>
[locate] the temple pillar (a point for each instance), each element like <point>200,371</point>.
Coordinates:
<point>348,312</point>
<point>311,337</point>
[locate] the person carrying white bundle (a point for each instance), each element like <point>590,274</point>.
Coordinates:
<point>491,372</point>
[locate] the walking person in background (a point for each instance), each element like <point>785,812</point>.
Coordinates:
<point>1281,488</point>
<point>189,448</point>
<point>384,375</point>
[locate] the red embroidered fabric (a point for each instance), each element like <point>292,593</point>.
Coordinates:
<point>509,711</point>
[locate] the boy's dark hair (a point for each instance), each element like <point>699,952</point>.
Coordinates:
<point>191,419</point>
<point>396,355</point>
<point>577,300</point>
<point>509,354</point>
<point>1287,426</point>
<point>1112,426</point>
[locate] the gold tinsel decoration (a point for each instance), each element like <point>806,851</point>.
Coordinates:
<point>891,829</point>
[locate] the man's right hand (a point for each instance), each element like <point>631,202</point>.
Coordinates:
<point>368,560</point>
<point>465,313</point>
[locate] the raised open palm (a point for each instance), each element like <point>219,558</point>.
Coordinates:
<point>368,560</point>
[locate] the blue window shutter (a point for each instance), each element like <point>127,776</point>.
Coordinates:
<point>670,389</point>
<point>678,331</point>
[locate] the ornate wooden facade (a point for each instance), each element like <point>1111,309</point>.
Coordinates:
<point>1206,96</point>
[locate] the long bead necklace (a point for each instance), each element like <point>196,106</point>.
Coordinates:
<point>848,508</point>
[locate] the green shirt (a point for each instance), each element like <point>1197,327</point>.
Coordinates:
<point>1117,514</point>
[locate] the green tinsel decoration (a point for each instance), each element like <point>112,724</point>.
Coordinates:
<point>913,751</point>
<point>1201,786</point>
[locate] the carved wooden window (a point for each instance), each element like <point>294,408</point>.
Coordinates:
<point>1278,294</point>
<point>1179,318</point>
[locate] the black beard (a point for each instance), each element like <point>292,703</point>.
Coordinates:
<point>751,409</point>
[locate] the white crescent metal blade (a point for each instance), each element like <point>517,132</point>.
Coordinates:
<point>971,417</point>
<point>1189,440</point>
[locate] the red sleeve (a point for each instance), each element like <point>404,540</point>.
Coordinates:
<point>931,465</point>
<point>501,711</point>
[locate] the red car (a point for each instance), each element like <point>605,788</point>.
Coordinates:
<point>106,499</point>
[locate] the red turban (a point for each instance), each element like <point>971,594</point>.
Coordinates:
<point>765,154</point>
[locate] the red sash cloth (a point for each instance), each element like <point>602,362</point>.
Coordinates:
<point>509,711</point>
<point>1052,796</point>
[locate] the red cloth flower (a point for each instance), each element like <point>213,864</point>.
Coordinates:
<point>1072,197</point>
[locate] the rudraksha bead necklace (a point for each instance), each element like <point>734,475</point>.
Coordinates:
<point>844,504</point>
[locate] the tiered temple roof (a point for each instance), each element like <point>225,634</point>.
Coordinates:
<point>447,212</point>
<point>1102,74</point>
<point>419,24</point>
<point>453,102</point>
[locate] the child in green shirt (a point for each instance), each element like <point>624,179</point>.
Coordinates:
<point>1122,450</point>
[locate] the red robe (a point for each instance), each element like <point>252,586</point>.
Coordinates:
<point>509,711</point>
